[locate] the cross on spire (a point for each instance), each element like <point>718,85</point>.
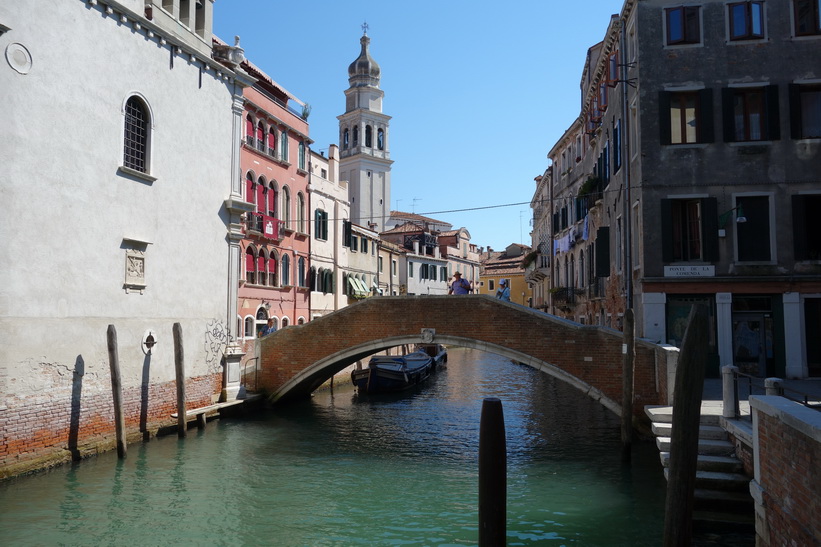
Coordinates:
<point>365,28</point>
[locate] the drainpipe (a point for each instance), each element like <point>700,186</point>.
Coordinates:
<point>311,233</point>
<point>625,138</point>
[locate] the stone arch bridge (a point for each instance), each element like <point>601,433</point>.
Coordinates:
<point>296,360</point>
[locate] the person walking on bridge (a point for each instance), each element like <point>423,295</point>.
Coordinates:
<point>459,285</point>
<point>503,292</point>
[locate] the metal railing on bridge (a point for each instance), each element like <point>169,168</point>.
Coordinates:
<point>738,386</point>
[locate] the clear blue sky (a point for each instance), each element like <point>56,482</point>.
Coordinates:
<point>478,91</point>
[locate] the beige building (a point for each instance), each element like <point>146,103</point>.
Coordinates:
<point>507,265</point>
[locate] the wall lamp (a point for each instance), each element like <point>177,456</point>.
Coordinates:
<point>725,216</point>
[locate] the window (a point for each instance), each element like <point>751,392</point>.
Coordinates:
<point>746,20</point>
<point>380,139</point>
<point>683,25</point>
<point>286,208</point>
<point>301,272</point>
<point>806,226</point>
<point>424,271</point>
<point>272,143</point>
<point>262,263</point>
<point>272,270</point>
<point>354,243</point>
<point>750,114</point>
<point>689,230</point>
<point>286,270</point>
<point>321,225</point>
<point>368,136</point>
<point>807,17</point>
<point>250,266</point>
<point>356,136</point>
<point>283,145</point>
<point>443,273</point>
<point>410,269</point>
<point>250,130</point>
<point>345,139</point>
<point>379,260</point>
<point>300,213</point>
<point>301,163</point>
<point>753,236</point>
<point>364,245</point>
<point>272,200</point>
<point>260,140</point>
<point>135,146</point>
<point>249,327</point>
<point>490,284</point>
<point>805,111</point>
<point>394,268</point>
<point>686,117</point>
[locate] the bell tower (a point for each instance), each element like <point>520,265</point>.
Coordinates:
<point>364,143</point>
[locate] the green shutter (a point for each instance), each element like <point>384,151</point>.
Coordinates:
<point>794,91</point>
<point>603,251</point>
<point>709,229</point>
<point>799,227</point>
<point>665,136</point>
<point>773,119</point>
<point>727,114</point>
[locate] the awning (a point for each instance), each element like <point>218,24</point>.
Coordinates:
<point>362,287</point>
<point>356,288</point>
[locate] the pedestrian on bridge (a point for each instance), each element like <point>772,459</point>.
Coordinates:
<point>459,285</point>
<point>269,328</point>
<point>503,292</point>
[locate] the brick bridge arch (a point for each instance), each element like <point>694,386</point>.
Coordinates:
<point>296,360</point>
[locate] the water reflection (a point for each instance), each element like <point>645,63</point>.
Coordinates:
<point>340,469</point>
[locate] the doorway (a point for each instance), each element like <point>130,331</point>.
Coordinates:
<point>753,343</point>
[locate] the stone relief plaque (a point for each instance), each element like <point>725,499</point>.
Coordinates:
<point>134,270</point>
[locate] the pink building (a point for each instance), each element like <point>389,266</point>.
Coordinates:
<point>274,160</point>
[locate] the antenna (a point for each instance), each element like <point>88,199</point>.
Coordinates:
<point>413,207</point>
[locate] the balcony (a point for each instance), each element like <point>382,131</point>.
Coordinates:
<point>565,295</point>
<point>264,225</point>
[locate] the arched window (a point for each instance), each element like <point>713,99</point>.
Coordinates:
<point>272,199</point>
<point>286,270</point>
<point>260,137</point>
<point>301,272</point>
<point>262,320</point>
<point>272,142</point>
<point>328,285</point>
<point>300,213</point>
<point>300,321</point>
<point>356,136</point>
<point>262,267</point>
<point>250,130</point>
<point>286,208</point>
<point>581,269</point>
<point>272,270</point>
<point>249,327</point>
<point>283,145</point>
<point>368,136</point>
<point>345,138</point>
<point>262,196</point>
<point>135,146</point>
<point>250,266</point>
<point>313,278</point>
<point>285,322</point>
<point>301,163</point>
<point>380,139</point>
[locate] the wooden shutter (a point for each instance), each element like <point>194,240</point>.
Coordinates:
<point>666,208</point>
<point>705,116</point>
<point>603,251</point>
<point>665,136</point>
<point>728,113</point>
<point>799,227</point>
<point>794,91</point>
<point>709,229</point>
<point>773,120</point>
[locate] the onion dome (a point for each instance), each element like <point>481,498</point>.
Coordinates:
<point>364,71</point>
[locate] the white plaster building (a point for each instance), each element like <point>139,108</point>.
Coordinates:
<point>329,201</point>
<point>120,168</point>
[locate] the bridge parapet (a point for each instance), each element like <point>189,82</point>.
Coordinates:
<point>298,359</point>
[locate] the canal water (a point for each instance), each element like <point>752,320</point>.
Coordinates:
<point>340,469</point>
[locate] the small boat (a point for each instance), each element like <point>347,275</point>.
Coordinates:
<point>393,372</point>
<point>437,351</point>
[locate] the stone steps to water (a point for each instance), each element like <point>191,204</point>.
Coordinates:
<point>722,464</point>
<point>721,497</point>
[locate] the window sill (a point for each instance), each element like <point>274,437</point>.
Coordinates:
<point>689,145</point>
<point>134,173</point>
<point>301,171</point>
<point>750,143</point>
<point>746,41</point>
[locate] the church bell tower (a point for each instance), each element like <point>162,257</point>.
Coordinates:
<point>364,143</point>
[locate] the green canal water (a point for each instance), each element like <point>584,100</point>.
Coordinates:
<point>340,469</point>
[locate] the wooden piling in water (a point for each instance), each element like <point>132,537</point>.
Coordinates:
<point>179,369</point>
<point>678,511</point>
<point>492,475</point>
<point>627,386</point>
<point>116,391</point>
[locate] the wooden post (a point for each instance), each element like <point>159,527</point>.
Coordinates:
<point>116,391</point>
<point>492,474</point>
<point>678,525</point>
<point>627,386</point>
<point>179,368</point>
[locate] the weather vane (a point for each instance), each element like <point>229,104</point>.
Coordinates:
<point>365,27</point>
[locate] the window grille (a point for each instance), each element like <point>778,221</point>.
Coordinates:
<point>136,136</point>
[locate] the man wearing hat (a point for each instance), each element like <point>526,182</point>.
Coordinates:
<point>459,285</point>
<point>503,292</point>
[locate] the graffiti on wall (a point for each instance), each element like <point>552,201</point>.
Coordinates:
<point>217,338</point>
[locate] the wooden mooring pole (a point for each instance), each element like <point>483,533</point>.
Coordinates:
<point>116,391</point>
<point>681,480</point>
<point>179,368</point>
<point>492,475</point>
<point>627,386</point>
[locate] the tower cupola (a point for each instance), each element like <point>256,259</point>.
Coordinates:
<point>364,71</point>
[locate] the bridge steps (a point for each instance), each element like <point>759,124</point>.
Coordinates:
<point>722,496</point>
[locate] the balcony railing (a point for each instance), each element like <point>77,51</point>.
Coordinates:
<point>596,289</point>
<point>566,295</point>
<point>269,227</point>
